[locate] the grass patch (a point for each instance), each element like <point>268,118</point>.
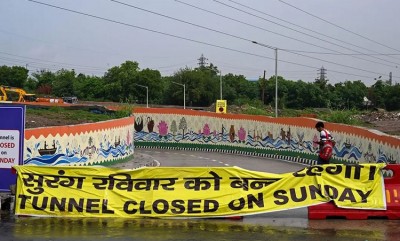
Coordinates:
<point>255,111</point>
<point>87,115</point>
<point>344,117</point>
<point>347,117</point>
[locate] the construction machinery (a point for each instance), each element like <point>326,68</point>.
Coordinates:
<point>22,95</point>
<point>8,93</point>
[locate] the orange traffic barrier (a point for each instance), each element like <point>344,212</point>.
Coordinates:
<point>392,189</point>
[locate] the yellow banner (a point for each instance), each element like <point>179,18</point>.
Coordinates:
<point>192,192</point>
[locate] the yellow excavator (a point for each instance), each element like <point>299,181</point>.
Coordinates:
<point>22,95</point>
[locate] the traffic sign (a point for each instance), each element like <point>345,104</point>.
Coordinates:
<point>221,106</point>
<point>12,128</point>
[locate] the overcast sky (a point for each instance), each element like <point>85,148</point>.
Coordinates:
<point>352,39</point>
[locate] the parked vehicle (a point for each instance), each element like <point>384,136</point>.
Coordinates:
<point>70,100</point>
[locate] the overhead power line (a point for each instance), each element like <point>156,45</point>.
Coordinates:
<point>188,39</point>
<point>177,65</point>
<point>267,30</point>
<point>251,25</point>
<point>158,32</point>
<point>32,66</point>
<point>372,72</point>
<point>227,34</point>
<point>329,53</point>
<point>180,20</point>
<point>333,24</point>
<point>60,45</point>
<point>306,34</point>
<point>289,51</point>
<point>264,29</point>
<point>308,29</point>
<point>52,62</point>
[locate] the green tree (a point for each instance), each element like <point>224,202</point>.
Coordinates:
<point>237,89</point>
<point>31,85</point>
<point>15,76</point>
<point>201,84</point>
<point>348,95</point>
<point>64,83</point>
<point>392,98</point>
<point>376,94</point>
<point>174,93</point>
<point>286,89</point>
<point>296,94</point>
<point>44,81</point>
<point>120,82</point>
<point>89,87</point>
<point>156,86</point>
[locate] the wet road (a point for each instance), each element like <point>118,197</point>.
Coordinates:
<point>286,225</point>
<point>214,159</point>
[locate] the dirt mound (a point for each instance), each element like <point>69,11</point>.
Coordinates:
<point>380,115</point>
<point>384,121</point>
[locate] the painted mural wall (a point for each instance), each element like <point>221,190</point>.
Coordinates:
<point>99,143</point>
<point>259,135</point>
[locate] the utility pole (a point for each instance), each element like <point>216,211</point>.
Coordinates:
<point>276,73</point>
<point>263,85</point>
<point>276,82</point>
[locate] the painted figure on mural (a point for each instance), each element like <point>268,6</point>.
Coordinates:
<point>270,135</point>
<point>138,124</point>
<point>283,134</point>
<point>326,144</point>
<point>150,124</point>
<point>300,137</point>
<point>288,136</point>
<point>232,133</point>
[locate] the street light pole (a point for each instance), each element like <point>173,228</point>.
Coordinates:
<point>184,93</point>
<point>276,73</point>
<point>147,94</point>
<point>276,82</point>
<point>220,85</point>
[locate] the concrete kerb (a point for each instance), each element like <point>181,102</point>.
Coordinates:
<point>299,160</point>
<point>138,161</point>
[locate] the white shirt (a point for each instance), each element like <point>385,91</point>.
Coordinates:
<point>325,135</point>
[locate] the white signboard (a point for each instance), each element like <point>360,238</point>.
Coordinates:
<point>9,148</point>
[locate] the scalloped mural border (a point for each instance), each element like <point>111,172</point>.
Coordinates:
<point>308,159</point>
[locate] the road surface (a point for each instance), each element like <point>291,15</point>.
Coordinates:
<point>285,225</point>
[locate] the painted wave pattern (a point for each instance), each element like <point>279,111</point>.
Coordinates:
<point>71,157</point>
<point>352,152</point>
<point>266,142</point>
<point>54,160</point>
<point>113,151</point>
<point>221,138</point>
<point>382,158</point>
